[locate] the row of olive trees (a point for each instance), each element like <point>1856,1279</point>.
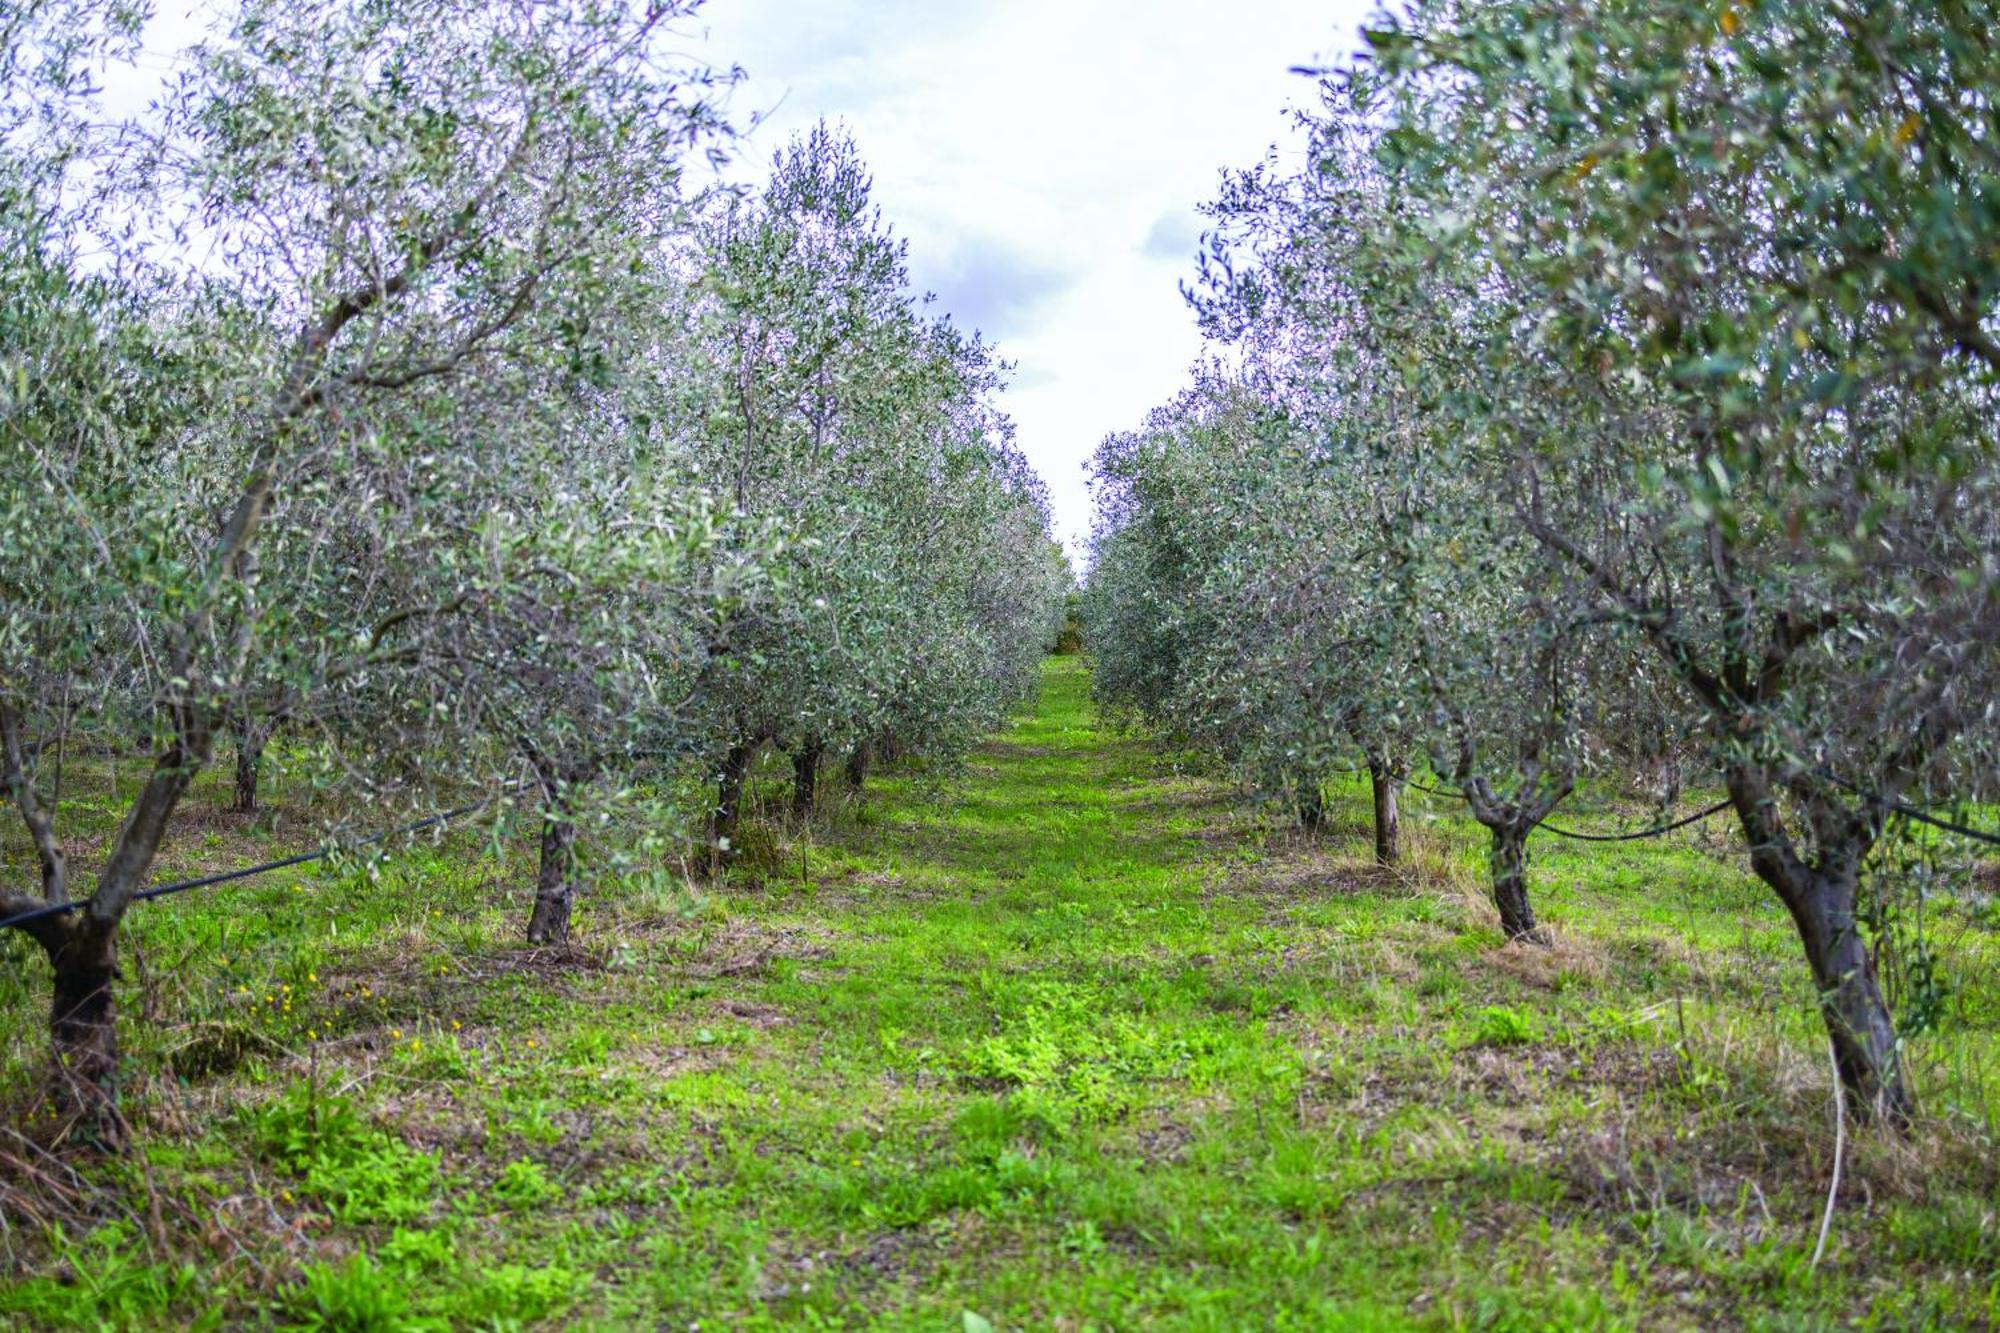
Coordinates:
<point>1613,380</point>
<point>388,394</point>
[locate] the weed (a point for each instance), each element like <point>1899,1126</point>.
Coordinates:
<point>1499,1025</point>
<point>361,1173</point>
<point>354,1297</point>
<point>525,1184</point>
<point>513,1296</point>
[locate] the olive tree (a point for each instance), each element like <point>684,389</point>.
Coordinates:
<point>1737,365</point>
<point>340,207</point>
<point>827,399</point>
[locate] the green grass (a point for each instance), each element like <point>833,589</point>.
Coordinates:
<point>1068,1040</point>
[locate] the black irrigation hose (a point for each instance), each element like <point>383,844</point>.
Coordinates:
<point>1978,835</point>
<point>446,816</point>
<point>1900,807</point>
<point>1694,818</point>
<point>1911,812</point>
<point>318,853</point>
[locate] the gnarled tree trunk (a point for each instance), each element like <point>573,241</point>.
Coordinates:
<point>555,884</point>
<point>250,740</point>
<point>81,944</point>
<point>729,802</point>
<point>1508,860</point>
<point>1821,898</point>
<point>83,1029</point>
<point>805,778</point>
<point>1509,820</point>
<point>1386,786</point>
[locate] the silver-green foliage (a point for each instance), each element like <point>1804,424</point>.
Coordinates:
<point>385,385</point>
<point>1654,344</point>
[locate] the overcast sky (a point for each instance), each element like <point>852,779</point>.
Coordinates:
<point>1044,158</point>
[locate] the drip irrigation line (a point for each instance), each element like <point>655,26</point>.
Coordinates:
<point>1694,818</point>
<point>1635,836</point>
<point>1921,816</point>
<point>1964,831</point>
<point>318,853</point>
<point>1900,807</point>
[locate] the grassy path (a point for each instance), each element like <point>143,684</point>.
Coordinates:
<point>1077,1043</point>
<point>1067,1041</point>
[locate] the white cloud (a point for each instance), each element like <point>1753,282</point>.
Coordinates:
<point>1045,159</point>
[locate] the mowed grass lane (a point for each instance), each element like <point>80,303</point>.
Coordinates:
<point>1071,1039</point>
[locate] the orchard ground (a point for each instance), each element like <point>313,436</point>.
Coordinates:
<point>1070,1039</point>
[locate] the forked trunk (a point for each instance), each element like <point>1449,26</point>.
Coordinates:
<point>1509,861</point>
<point>1382,781</point>
<point>82,948</point>
<point>1510,819</point>
<point>805,779</point>
<point>555,885</point>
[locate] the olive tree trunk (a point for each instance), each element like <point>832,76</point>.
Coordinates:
<point>1386,788</point>
<point>83,1029</point>
<point>1508,860</point>
<point>729,802</point>
<point>81,943</point>
<point>1821,897</point>
<point>805,778</point>
<point>857,767</point>
<point>250,741</point>
<point>555,882</point>
<point>1509,819</point>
